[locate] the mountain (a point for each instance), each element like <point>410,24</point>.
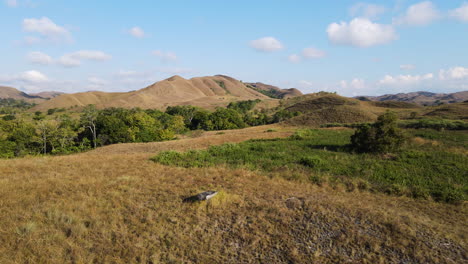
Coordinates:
<point>422,98</point>
<point>273,91</point>
<point>207,92</point>
<point>10,92</point>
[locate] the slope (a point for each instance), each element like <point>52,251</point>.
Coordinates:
<point>122,208</point>
<point>206,92</point>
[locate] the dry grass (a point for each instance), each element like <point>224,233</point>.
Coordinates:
<point>116,206</point>
<point>200,140</point>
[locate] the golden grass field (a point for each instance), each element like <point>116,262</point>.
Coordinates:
<point>113,205</point>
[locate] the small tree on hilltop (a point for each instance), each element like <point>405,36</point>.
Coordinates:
<point>382,136</point>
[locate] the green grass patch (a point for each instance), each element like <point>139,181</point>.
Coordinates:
<point>420,171</point>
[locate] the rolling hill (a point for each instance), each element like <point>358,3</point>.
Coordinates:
<point>422,98</point>
<point>207,92</point>
<point>10,92</point>
<point>273,91</point>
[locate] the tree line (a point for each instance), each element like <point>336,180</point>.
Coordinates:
<point>61,133</point>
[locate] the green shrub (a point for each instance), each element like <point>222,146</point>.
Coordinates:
<point>311,161</point>
<point>382,136</point>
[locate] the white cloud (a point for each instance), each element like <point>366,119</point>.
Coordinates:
<point>46,28</point>
<point>405,80</point>
<point>419,14</point>
<point>33,77</point>
<point>407,67</point>
<point>165,56</point>
<point>366,10</point>
<point>354,84</point>
<point>11,3</point>
<point>460,13</point>
<point>313,53</point>
<point>37,57</point>
<point>266,44</point>
<point>360,32</point>
<point>137,32</point>
<point>75,59</point>
<point>453,73</point>
<point>294,58</point>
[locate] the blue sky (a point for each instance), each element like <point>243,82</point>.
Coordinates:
<point>351,47</point>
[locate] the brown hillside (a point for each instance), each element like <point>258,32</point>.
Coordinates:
<point>206,92</point>
<point>449,111</point>
<point>422,98</point>
<point>323,108</point>
<point>9,92</point>
<point>274,91</point>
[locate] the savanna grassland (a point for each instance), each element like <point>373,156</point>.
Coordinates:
<point>115,205</point>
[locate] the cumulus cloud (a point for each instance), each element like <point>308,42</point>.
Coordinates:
<point>420,14</point>
<point>366,10</point>
<point>165,56</point>
<point>46,28</point>
<point>354,84</point>
<point>137,32</point>
<point>33,77</point>
<point>460,13</point>
<point>360,32</point>
<point>313,53</point>
<point>266,44</point>
<point>407,67</point>
<point>454,73</point>
<point>11,3</point>
<point>30,77</point>
<point>294,58</point>
<point>37,57</point>
<point>404,80</point>
<point>75,59</point>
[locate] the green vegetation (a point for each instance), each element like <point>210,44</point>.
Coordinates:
<point>270,93</point>
<point>420,170</point>
<point>379,137</point>
<point>56,132</point>
<point>13,106</point>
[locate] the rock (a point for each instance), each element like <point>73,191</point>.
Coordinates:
<point>200,197</point>
<point>294,203</point>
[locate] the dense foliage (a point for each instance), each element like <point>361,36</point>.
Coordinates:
<point>421,169</point>
<point>57,132</point>
<point>12,106</point>
<point>381,136</point>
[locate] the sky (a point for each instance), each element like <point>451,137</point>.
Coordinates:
<point>349,47</point>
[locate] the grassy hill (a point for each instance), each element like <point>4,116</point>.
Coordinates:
<point>208,92</point>
<point>422,98</point>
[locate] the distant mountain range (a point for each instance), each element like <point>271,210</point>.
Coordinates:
<point>422,98</point>
<point>10,92</point>
<point>207,92</point>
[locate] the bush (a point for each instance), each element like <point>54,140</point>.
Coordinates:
<point>380,137</point>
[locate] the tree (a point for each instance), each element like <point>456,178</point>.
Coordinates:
<point>47,129</point>
<point>382,136</point>
<point>186,111</point>
<point>88,119</point>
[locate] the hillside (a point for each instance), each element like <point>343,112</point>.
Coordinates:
<point>273,91</point>
<point>319,109</point>
<point>10,92</point>
<point>114,205</point>
<point>422,98</point>
<point>207,92</point>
